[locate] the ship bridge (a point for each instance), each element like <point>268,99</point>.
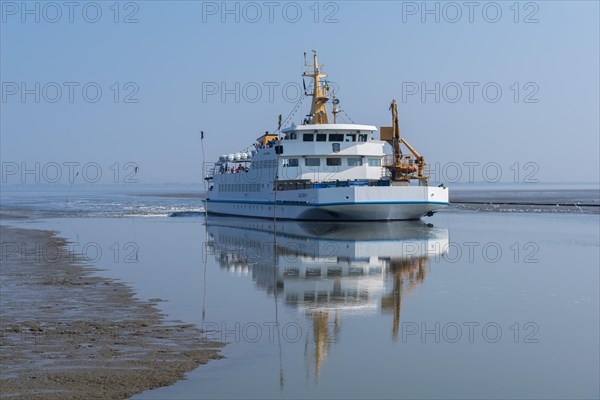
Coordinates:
<point>366,129</point>
<point>336,151</point>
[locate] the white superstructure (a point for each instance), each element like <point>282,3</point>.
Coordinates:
<point>323,171</point>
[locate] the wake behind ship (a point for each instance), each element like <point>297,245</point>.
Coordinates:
<point>325,171</point>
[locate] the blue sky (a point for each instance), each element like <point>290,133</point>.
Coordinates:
<point>543,56</point>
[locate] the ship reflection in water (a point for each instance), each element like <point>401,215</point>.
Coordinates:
<point>329,270</point>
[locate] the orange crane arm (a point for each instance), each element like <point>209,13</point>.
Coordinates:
<point>412,149</point>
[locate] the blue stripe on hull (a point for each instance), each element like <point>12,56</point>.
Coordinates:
<point>348,211</point>
<point>285,203</point>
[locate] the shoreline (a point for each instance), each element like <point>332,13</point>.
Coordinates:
<point>66,333</point>
<point>524,208</point>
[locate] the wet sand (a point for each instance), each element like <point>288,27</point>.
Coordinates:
<point>514,207</point>
<point>66,334</point>
<point>535,201</point>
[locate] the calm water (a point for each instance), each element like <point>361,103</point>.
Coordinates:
<point>474,305</point>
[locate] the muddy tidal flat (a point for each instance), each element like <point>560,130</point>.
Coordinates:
<point>68,334</point>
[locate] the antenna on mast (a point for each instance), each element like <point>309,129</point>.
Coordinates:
<point>336,109</point>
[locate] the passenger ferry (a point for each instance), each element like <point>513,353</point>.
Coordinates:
<point>325,171</point>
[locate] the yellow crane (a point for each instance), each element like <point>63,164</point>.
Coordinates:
<point>402,171</point>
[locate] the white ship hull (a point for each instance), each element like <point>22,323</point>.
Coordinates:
<point>340,203</point>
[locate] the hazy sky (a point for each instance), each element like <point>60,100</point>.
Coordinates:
<point>167,70</point>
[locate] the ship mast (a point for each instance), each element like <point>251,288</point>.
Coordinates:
<point>320,94</point>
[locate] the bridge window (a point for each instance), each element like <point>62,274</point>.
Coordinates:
<point>374,162</point>
<point>292,162</point>
<point>354,161</point>
<point>308,137</point>
<point>350,137</point>
<point>362,138</point>
<point>312,162</point>
<point>321,137</point>
<point>334,161</point>
<point>336,137</point>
